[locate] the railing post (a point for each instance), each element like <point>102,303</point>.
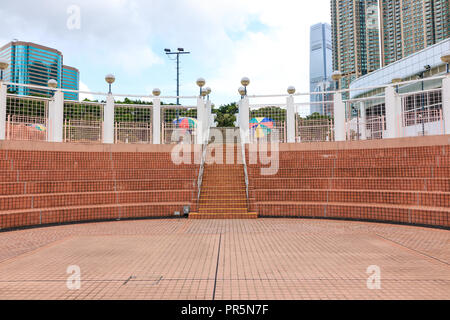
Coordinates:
<point>208,116</point>
<point>244,119</point>
<point>3,92</point>
<point>200,120</point>
<point>108,122</point>
<point>156,121</point>
<point>393,113</point>
<point>446,103</point>
<point>363,123</point>
<point>290,119</point>
<point>56,117</point>
<point>339,117</point>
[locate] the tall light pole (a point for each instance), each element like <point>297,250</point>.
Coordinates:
<point>177,53</point>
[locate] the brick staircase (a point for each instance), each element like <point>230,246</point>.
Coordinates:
<point>53,187</point>
<point>409,185</point>
<point>223,193</point>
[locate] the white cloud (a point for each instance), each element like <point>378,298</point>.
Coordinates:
<point>127,37</point>
<point>85,88</point>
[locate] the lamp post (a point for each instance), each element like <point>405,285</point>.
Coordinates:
<point>208,92</point>
<point>156,92</point>
<point>179,52</point>
<point>201,83</point>
<point>446,59</point>
<point>245,82</point>
<point>336,76</point>
<point>4,64</point>
<point>52,83</point>
<point>242,92</point>
<point>396,81</point>
<point>110,79</point>
<point>291,90</point>
<point>422,76</point>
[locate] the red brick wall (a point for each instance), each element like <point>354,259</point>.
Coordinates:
<point>39,187</point>
<point>408,184</point>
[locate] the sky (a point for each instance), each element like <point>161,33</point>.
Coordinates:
<point>265,40</point>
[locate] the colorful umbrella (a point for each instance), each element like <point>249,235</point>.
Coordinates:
<point>186,123</point>
<point>262,126</point>
<point>38,127</point>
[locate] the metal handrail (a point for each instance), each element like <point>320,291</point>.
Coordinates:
<point>201,171</point>
<point>245,168</point>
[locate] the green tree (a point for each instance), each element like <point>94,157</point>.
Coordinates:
<point>226,115</point>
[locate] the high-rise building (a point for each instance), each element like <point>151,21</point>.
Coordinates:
<point>355,38</point>
<point>320,68</point>
<point>70,80</point>
<point>34,64</point>
<point>408,26</point>
<point>369,34</point>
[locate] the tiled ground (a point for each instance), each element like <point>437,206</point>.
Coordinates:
<point>226,259</point>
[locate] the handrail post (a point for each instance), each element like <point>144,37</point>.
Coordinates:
<point>244,119</point>
<point>200,120</point>
<point>339,118</point>
<point>56,117</point>
<point>156,115</point>
<point>446,103</point>
<point>393,106</point>
<point>363,122</point>
<point>290,119</point>
<point>3,93</point>
<point>108,127</point>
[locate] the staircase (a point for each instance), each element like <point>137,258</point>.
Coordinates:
<point>223,193</point>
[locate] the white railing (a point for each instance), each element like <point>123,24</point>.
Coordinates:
<point>384,115</point>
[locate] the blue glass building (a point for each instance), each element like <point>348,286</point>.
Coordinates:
<point>321,54</point>
<point>70,80</point>
<point>31,63</point>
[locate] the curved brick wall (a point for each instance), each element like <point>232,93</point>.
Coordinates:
<point>43,183</point>
<point>398,181</point>
<point>401,180</point>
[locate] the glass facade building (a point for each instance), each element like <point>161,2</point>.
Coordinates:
<point>31,63</point>
<point>370,34</point>
<point>355,38</point>
<point>407,69</point>
<point>409,26</point>
<point>320,64</point>
<point>70,80</point>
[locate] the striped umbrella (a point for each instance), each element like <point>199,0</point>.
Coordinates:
<point>186,123</point>
<point>262,126</point>
<point>38,127</point>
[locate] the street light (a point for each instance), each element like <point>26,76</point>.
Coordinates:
<point>177,53</point>
<point>336,76</point>
<point>395,81</point>
<point>446,59</point>
<point>52,83</point>
<point>156,92</point>
<point>4,64</point>
<point>291,90</point>
<point>110,79</point>
<point>245,82</point>
<point>208,91</point>
<point>241,91</point>
<point>421,75</point>
<point>201,83</point>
